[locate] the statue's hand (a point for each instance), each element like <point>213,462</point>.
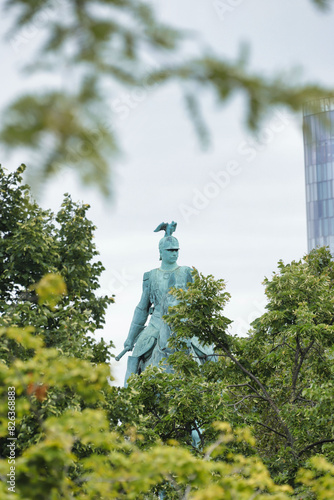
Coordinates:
<point>128,344</point>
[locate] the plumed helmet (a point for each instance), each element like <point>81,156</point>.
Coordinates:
<point>168,243</point>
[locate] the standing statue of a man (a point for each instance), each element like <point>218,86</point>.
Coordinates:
<point>150,343</point>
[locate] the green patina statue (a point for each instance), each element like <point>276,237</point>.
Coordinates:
<point>150,343</point>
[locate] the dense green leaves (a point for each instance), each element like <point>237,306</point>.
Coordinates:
<point>77,436</point>
<point>199,312</point>
<point>36,243</point>
<point>48,277</point>
<point>279,380</point>
<point>76,454</point>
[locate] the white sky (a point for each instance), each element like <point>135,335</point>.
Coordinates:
<point>236,229</point>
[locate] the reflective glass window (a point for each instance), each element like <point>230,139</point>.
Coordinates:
<point>321,151</point>
<point>308,192</point>
<point>331,226</point>
<point>310,173</point>
<point>316,229</point>
<point>321,191</point>
<point>321,228</point>
<point>316,127</point>
<point>328,189</point>
<point>314,192</point>
<point>314,195</point>
<point>308,211</point>
<point>324,190</point>
<point>331,242</point>
<point>313,154</point>
<point>306,154</point>
<point>332,121</point>
<point>324,208</point>
<point>313,127</point>
<point>309,129</point>
<point>325,125</point>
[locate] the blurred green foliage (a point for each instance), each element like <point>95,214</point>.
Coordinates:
<point>99,49</point>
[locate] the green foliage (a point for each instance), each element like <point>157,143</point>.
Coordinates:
<point>173,405</point>
<point>319,476</point>
<point>39,249</point>
<point>79,437</point>
<point>291,350</point>
<point>323,4</point>
<point>279,381</point>
<point>101,46</point>
<point>49,290</point>
<point>199,312</point>
<point>113,467</point>
<point>76,454</point>
<point>40,255</point>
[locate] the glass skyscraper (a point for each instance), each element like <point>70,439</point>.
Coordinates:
<point>318,124</point>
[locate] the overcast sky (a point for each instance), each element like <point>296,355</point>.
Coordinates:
<point>240,206</point>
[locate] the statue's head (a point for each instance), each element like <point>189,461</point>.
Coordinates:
<point>168,244</point>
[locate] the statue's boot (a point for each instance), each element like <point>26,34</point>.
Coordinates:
<point>132,367</point>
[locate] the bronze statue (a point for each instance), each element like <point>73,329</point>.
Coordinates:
<point>150,343</point>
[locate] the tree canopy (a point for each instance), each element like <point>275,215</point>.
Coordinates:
<point>263,411</point>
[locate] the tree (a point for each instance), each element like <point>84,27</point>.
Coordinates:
<point>191,398</point>
<point>65,432</point>
<point>38,247</point>
<point>103,43</point>
<point>35,242</point>
<point>279,380</point>
<point>56,436</point>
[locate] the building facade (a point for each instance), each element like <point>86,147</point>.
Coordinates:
<point>318,125</point>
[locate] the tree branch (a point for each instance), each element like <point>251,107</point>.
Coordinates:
<point>274,407</point>
<point>303,354</point>
<point>315,444</point>
<point>271,429</point>
<point>274,349</point>
<point>246,397</point>
<point>246,385</point>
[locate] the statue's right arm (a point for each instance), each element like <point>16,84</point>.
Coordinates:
<point>140,315</point>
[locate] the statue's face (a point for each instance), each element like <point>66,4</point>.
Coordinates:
<point>169,255</point>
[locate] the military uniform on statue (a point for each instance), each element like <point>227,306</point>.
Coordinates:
<point>150,343</point>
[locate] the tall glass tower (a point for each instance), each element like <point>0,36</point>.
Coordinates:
<point>318,125</point>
